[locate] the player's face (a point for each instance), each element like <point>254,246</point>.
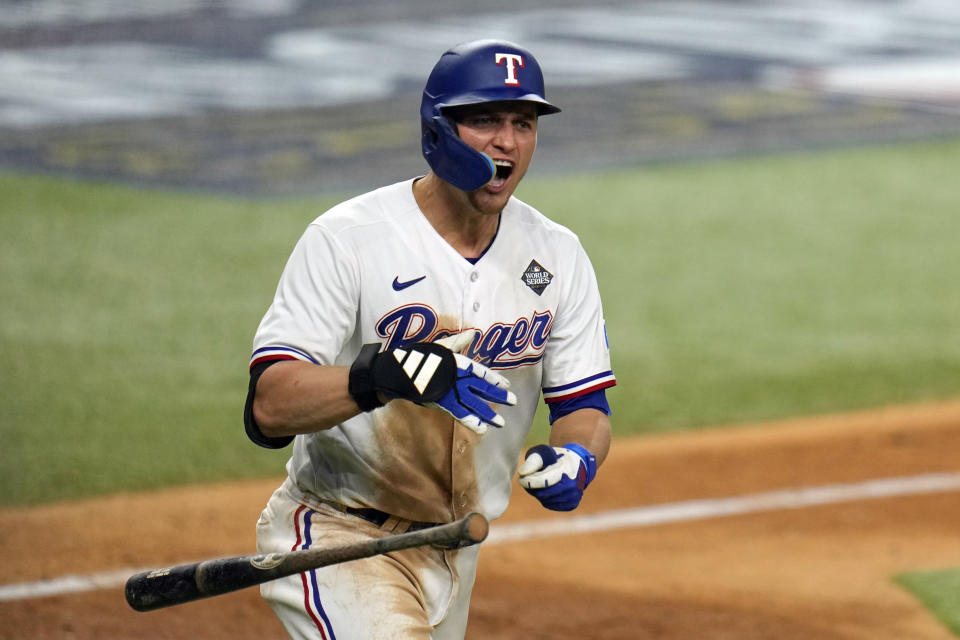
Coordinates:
<point>507,132</point>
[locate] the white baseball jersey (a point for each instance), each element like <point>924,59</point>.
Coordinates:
<point>373,269</point>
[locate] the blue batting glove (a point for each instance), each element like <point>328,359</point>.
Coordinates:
<point>557,476</point>
<point>475,386</point>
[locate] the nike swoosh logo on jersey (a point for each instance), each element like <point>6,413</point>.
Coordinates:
<point>400,286</point>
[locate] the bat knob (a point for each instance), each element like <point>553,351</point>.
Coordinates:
<point>475,528</point>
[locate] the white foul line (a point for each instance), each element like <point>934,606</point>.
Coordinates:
<point>717,507</point>
<point>591,523</point>
<point>66,584</point>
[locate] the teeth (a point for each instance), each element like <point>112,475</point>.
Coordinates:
<point>503,163</point>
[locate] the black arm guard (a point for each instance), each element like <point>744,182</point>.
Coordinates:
<point>253,429</point>
<point>360,385</point>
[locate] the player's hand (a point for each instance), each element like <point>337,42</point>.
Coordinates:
<point>431,374</point>
<point>557,476</point>
<point>475,384</point>
<point>468,398</point>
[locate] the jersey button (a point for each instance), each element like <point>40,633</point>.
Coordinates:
<point>476,306</point>
<point>474,276</point>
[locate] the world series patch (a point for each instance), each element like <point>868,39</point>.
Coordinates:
<point>536,277</point>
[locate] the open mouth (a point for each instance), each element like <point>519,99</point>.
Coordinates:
<point>503,170</point>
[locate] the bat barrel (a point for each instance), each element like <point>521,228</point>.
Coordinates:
<point>185,583</point>
<point>162,588</point>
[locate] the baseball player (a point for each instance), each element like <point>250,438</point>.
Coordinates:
<point>411,335</point>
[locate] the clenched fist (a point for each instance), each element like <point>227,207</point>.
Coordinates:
<point>557,476</point>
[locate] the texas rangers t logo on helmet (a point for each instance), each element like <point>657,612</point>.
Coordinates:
<point>512,59</point>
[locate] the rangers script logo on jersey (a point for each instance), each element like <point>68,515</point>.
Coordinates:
<point>501,346</point>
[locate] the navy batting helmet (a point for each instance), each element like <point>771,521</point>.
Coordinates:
<point>474,73</point>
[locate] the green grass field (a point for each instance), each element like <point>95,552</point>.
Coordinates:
<point>735,290</point>
<point>939,591</point>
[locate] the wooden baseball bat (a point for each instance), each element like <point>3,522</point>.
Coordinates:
<point>188,582</point>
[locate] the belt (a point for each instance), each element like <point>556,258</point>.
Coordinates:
<point>379,518</point>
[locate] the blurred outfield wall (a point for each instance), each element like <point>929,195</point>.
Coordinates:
<point>288,96</point>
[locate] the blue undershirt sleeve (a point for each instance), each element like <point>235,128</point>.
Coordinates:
<point>593,400</point>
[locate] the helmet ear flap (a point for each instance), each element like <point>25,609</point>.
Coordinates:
<point>429,138</point>
<point>452,159</point>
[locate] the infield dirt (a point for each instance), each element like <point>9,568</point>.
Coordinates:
<point>808,573</point>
